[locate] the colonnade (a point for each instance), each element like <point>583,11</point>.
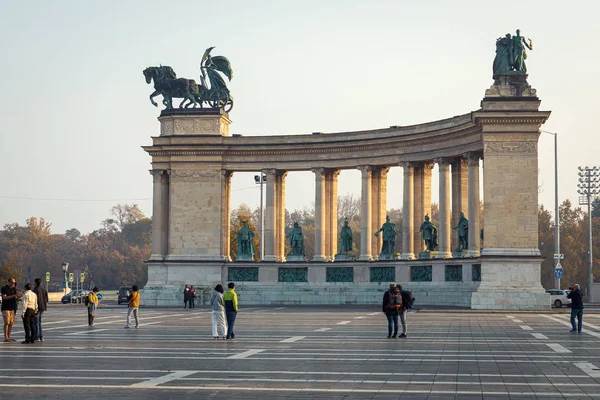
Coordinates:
<point>461,174</point>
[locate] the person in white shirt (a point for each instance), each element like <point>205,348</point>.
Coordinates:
<point>30,308</point>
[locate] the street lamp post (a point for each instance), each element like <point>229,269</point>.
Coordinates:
<point>556,210</point>
<point>260,180</point>
<point>65,268</point>
<point>588,188</point>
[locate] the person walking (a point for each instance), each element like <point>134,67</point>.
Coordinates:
<point>92,305</point>
<point>134,304</point>
<point>576,297</point>
<point>30,306</point>
<point>42,300</point>
<point>186,295</point>
<point>192,297</point>
<point>392,301</point>
<point>218,312</point>
<point>231,308</point>
<point>10,296</point>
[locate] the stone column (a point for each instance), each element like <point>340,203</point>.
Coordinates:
<point>270,227</point>
<point>378,211</point>
<point>331,217</point>
<point>226,214</point>
<point>422,196</point>
<point>319,215</point>
<point>474,238</point>
<point>164,230</point>
<point>365,214</point>
<point>157,214</point>
<point>460,202</point>
<point>444,227</point>
<point>280,211</point>
<point>408,227</point>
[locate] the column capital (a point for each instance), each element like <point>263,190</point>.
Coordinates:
<point>428,165</point>
<point>334,173</point>
<point>157,174</point>
<point>270,173</point>
<point>472,158</point>
<point>282,174</point>
<point>442,161</point>
<point>407,165</point>
<point>318,171</point>
<point>364,168</point>
<point>383,171</point>
<point>227,174</point>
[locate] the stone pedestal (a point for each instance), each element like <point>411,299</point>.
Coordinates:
<point>194,121</point>
<point>389,257</point>
<point>244,258</point>
<point>425,255</point>
<point>510,261</point>
<point>344,257</point>
<point>296,258</point>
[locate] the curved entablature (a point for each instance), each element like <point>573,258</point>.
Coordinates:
<point>446,138</point>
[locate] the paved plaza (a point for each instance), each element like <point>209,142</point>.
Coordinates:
<point>338,352</point>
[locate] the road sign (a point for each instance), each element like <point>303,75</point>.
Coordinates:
<point>559,256</point>
<point>47,276</point>
<point>99,296</point>
<point>559,272</point>
<point>82,277</point>
<point>71,277</point>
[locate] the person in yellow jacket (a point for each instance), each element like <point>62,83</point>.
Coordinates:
<point>134,303</point>
<point>231,309</point>
<point>92,304</point>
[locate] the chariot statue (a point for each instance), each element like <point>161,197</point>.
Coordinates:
<point>212,89</point>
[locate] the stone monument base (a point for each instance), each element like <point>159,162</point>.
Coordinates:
<point>344,257</point>
<point>459,253</point>
<point>511,283</point>
<point>427,255</point>
<point>389,257</point>
<point>244,258</point>
<point>292,258</point>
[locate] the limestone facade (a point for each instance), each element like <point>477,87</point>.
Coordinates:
<point>194,158</point>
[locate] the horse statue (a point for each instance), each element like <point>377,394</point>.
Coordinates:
<point>168,85</point>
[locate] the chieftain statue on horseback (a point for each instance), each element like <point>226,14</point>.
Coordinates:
<point>212,89</point>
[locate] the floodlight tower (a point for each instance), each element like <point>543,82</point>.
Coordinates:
<point>588,189</point>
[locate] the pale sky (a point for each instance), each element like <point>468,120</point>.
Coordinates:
<point>74,110</point>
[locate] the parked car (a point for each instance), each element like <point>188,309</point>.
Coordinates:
<point>559,297</point>
<point>75,296</point>
<point>123,294</point>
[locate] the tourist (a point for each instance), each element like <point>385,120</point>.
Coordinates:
<point>392,301</point>
<point>92,305</point>
<point>186,295</point>
<point>30,307</point>
<point>10,296</point>
<point>42,300</point>
<point>407,301</point>
<point>133,305</point>
<point>218,312</point>
<point>231,308</point>
<point>192,297</point>
<point>576,297</point>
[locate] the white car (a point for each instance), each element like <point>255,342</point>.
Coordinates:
<point>559,297</point>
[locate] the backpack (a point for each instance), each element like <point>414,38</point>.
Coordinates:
<point>86,301</point>
<point>395,301</point>
<point>407,299</point>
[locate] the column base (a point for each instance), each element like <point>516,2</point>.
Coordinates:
<point>407,256</point>
<point>365,257</point>
<point>319,258</point>
<point>473,253</point>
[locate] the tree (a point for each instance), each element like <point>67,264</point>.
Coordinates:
<point>8,269</point>
<point>123,214</point>
<point>73,234</point>
<point>596,208</point>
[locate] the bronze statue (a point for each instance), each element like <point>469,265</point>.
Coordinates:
<point>430,235</point>
<point>389,236</point>
<point>463,233</point>
<point>346,237</point>
<point>296,241</point>
<point>511,54</point>
<point>212,89</point>
<point>245,239</point>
